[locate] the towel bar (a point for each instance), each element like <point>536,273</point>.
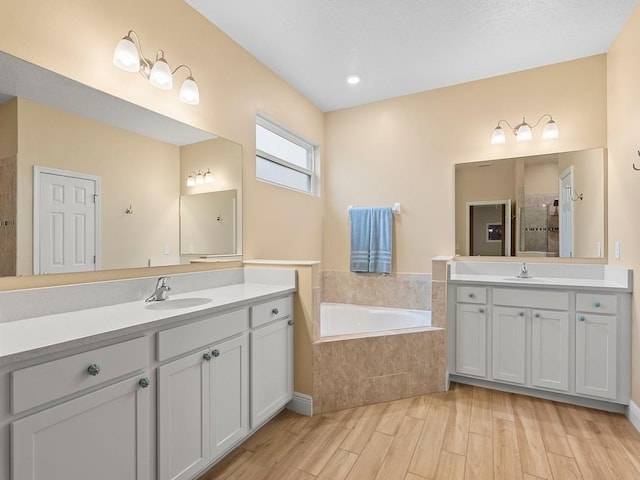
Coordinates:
<point>396,208</point>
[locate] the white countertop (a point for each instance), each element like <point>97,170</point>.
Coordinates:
<point>540,282</point>
<point>28,338</point>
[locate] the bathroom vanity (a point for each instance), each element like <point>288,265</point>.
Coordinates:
<point>564,333</point>
<point>95,393</point>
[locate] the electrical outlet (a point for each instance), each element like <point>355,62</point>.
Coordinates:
<point>617,250</point>
<point>167,250</point>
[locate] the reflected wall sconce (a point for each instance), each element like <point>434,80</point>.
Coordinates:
<point>523,131</point>
<point>199,178</point>
<point>128,56</point>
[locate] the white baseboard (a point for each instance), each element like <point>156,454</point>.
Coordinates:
<point>301,403</point>
<point>633,413</point>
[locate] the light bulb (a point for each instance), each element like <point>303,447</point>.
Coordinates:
<point>161,75</point>
<point>125,55</point>
<point>498,136</point>
<point>523,133</point>
<point>189,92</point>
<point>550,130</point>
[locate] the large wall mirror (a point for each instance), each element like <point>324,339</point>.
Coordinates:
<point>550,205</point>
<point>90,182</point>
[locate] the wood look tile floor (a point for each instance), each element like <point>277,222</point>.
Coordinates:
<point>467,433</point>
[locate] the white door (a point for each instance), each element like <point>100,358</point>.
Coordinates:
<point>271,370</point>
<point>471,345</point>
<point>550,349</point>
<point>229,393</point>
<point>65,226</point>
<point>104,435</point>
<point>508,346</point>
<point>566,213</point>
<point>183,416</point>
<point>596,355</point>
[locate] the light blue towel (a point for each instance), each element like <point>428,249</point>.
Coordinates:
<point>360,238</point>
<point>381,240</point>
<point>371,239</point>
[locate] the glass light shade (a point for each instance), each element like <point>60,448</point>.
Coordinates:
<point>161,75</point>
<point>524,133</point>
<point>200,178</point>
<point>191,181</point>
<point>550,130</point>
<point>189,92</point>
<point>125,55</point>
<point>498,136</point>
<point>208,177</point>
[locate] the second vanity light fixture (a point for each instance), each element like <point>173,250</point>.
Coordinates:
<point>523,132</point>
<point>199,178</point>
<point>128,56</point>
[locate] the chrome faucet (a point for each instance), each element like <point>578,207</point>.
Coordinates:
<point>161,292</point>
<point>524,272</point>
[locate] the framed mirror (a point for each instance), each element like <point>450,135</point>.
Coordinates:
<point>54,131</point>
<point>550,205</point>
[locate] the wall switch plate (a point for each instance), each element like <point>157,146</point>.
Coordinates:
<point>167,250</point>
<point>617,250</point>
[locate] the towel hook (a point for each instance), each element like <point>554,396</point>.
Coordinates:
<point>634,165</point>
<point>129,211</point>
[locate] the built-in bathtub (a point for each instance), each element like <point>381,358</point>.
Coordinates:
<point>360,320</point>
<point>368,355</point>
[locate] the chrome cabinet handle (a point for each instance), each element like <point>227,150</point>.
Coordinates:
<point>207,356</point>
<point>94,369</point>
<point>275,311</point>
<point>216,353</point>
<point>290,322</point>
<point>144,382</point>
<point>581,318</point>
<point>596,304</point>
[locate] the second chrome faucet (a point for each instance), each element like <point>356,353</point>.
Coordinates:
<point>161,292</point>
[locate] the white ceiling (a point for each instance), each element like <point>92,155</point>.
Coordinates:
<point>399,47</point>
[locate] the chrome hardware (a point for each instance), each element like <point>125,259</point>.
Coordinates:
<point>94,369</point>
<point>472,295</point>
<point>537,315</point>
<point>524,272</point>
<point>216,353</point>
<point>144,382</point>
<point>290,322</point>
<point>161,292</point>
<point>521,314</point>
<point>275,311</point>
<point>596,304</point>
<point>207,356</point>
<point>581,318</point>
<point>481,310</point>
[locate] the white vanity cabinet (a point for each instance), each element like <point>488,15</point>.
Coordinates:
<point>508,344</point>
<point>550,350</point>
<point>271,358</point>
<point>103,434</point>
<point>203,398</point>
<point>471,331</point>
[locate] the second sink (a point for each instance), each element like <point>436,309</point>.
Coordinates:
<point>177,303</point>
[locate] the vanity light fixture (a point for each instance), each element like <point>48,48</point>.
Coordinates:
<point>523,131</point>
<point>128,56</point>
<point>199,178</point>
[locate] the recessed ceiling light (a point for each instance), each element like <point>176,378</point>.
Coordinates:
<point>353,79</point>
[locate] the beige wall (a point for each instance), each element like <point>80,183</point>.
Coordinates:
<point>403,150</point>
<point>541,177</point>
<point>623,69</point>
<point>134,170</point>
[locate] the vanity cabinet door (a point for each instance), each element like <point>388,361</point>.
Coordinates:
<point>550,349</point>
<point>509,344</point>
<point>229,393</point>
<point>271,370</point>
<point>471,334</point>
<point>183,416</point>
<point>104,435</point>
<point>596,355</point>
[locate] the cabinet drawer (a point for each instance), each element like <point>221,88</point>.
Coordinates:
<point>512,297</point>
<point>471,294</point>
<point>183,339</point>
<point>596,303</point>
<point>269,311</point>
<point>49,381</point>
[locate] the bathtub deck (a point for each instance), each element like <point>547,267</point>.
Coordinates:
<point>468,432</point>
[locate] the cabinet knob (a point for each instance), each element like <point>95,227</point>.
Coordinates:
<point>144,382</point>
<point>472,295</point>
<point>275,311</point>
<point>596,304</point>
<point>207,356</point>
<point>537,315</point>
<point>581,318</point>
<point>290,322</point>
<point>481,310</point>
<point>94,369</point>
<point>521,314</point>
<point>216,353</point>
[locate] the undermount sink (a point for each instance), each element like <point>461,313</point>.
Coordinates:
<point>177,303</point>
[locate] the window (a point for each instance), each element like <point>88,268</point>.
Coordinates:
<point>284,158</point>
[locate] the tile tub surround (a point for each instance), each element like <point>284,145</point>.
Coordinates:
<point>397,290</point>
<point>362,371</point>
